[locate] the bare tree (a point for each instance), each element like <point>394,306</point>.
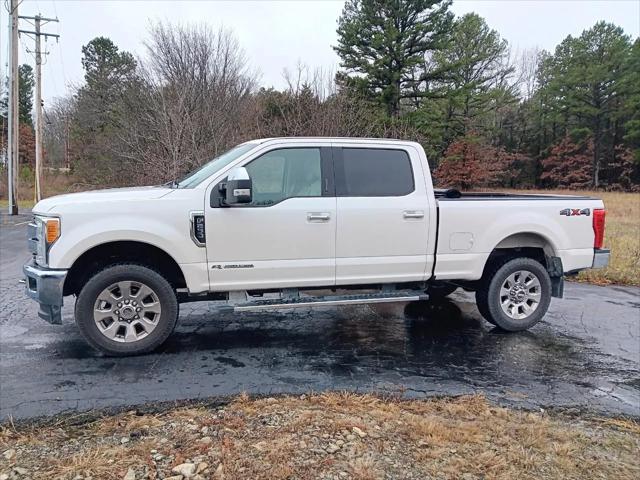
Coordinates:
<point>57,132</point>
<point>312,105</point>
<point>527,64</point>
<point>193,97</point>
<point>195,87</point>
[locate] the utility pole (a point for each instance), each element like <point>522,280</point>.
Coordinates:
<point>38,21</point>
<point>12,110</point>
<point>38,193</point>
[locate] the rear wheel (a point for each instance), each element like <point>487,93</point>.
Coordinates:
<point>126,310</point>
<point>515,294</point>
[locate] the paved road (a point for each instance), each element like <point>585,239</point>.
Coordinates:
<point>586,354</point>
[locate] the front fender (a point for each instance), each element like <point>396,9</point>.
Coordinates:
<point>81,236</point>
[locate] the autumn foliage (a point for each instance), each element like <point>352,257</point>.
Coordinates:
<point>469,162</point>
<point>568,165</point>
<point>27,147</point>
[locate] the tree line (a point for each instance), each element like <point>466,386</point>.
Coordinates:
<point>408,69</point>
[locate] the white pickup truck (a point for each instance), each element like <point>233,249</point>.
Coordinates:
<point>278,223</point>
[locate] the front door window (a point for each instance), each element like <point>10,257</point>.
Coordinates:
<point>285,173</point>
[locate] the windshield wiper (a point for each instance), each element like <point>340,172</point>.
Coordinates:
<point>170,184</point>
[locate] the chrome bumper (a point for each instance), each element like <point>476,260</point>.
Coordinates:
<point>601,258</point>
<point>45,287</point>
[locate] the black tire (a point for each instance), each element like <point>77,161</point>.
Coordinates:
<point>438,291</point>
<point>483,308</point>
<point>488,296</point>
<point>164,325</point>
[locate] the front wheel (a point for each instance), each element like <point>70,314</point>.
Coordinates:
<point>515,295</point>
<point>126,309</point>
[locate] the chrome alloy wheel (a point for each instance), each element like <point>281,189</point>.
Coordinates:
<point>520,294</point>
<point>127,311</point>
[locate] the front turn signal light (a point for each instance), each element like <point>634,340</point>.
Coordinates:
<point>52,229</point>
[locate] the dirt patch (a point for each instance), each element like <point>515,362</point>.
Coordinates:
<point>332,436</point>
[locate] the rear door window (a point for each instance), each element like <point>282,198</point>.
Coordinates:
<point>372,172</point>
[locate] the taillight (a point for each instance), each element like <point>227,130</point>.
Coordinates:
<point>598,227</point>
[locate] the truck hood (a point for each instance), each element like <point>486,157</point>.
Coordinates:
<point>100,196</point>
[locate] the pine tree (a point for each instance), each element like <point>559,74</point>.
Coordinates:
<point>25,96</point>
<point>383,43</point>
<point>587,82</point>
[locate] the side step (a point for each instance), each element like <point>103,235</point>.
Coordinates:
<point>306,302</point>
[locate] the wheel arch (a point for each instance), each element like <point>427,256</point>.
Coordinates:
<point>528,240</point>
<point>532,245</point>
<point>114,252</point>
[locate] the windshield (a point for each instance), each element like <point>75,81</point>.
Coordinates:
<point>205,171</point>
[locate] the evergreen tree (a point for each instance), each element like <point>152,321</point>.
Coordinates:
<point>105,66</point>
<point>109,73</point>
<point>25,95</point>
<point>476,70</point>
<point>587,83</point>
<point>384,43</point>
<point>26,83</point>
<point>632,103</point>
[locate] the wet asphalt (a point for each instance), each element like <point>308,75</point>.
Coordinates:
<point>585,355</point>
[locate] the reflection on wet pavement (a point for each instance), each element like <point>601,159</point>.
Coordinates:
<point>585,354</point>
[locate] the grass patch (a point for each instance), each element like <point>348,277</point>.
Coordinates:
<point>333,435</point>
<point>622,236</point>
<point>22,204</point>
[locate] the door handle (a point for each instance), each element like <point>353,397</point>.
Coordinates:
<point>413,214</point>
<point>318,217</point>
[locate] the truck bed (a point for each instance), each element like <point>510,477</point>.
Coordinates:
<point>471,225</point>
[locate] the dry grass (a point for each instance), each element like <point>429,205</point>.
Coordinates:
<point>622,236</point>
<point>295,437</point>
<point>53,183</point>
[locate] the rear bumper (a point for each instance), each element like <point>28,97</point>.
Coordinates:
<point>45,286</point>
<point>601,258</point>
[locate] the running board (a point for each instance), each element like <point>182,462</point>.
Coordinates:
<point>306,302</point>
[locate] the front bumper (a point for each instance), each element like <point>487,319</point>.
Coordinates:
<point>601,258</point>
<point>45,286</point>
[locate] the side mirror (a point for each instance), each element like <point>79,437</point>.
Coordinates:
<point>238,187</point>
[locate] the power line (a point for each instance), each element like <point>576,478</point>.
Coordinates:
<point>60,56</point>
<point>55,10</point>
<point>64,73</point>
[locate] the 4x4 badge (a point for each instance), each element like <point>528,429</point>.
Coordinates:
<point>575,212</point>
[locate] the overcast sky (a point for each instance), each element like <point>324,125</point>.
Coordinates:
<point>279,34</point>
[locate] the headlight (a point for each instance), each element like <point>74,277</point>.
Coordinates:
<point>47,231</point>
